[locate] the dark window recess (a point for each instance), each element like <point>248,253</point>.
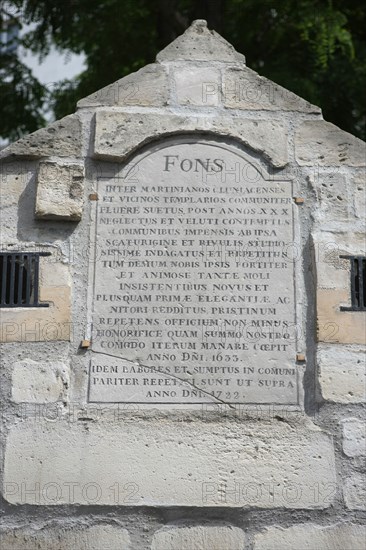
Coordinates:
<point>19,279</point>
<point>358,283</point>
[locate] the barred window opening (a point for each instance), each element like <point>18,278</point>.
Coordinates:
<point>358,283</point>
<point>19,279</point>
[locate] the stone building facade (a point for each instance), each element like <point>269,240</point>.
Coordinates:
<point>183,317</point>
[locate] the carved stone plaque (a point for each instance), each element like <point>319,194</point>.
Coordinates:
<point>193,298</point>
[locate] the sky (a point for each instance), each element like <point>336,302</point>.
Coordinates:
<point>56,66</point>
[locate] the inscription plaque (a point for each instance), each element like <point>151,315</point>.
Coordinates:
<point>193,293</point>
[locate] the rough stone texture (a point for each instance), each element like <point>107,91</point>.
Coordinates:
<point>61,139</point>
<point>333,272</point>
<point>318,142</point>
<point>97,537</point>
<point>354,492</point>
<point>310,537</point>
<point>253,467</point>
<point>354,437</point>
<point>360,197</point>
<point>166,463</point>
<point>14,177</point>
<point>60,190</point>
<point>245,89</point>
<point>118,134</point>
<point>43,382</point>
<point>198,43</point>
<point>335,202</point>
<point>199,538</point>
<point>146,87</point>
<point>342,374</point>
<point>198,86</point>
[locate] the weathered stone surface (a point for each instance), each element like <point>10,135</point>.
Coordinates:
<point>354,492</point>
<point>335,202</point>
<point>39,382</point>
<point>60,190</point>
<point>14,178</point>
<point>184,377</point>
<point>354,437</point>
<point>360,196</point>
<point>53,273</point>
<point>166,463</point>
<point>246,89</point>
<point>310,537</point>
<point>147,87</point>
<point>342,374</point>
<point>61,139</point>
<point>198,86</point>
<point>199,538</point>
<point>67,448</point>
<point>198,43</point>
<point>320,143</point>
<point>332,271</point>
<point>119,134</point>
<point>97,537</point>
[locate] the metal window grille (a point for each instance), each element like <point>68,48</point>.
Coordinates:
<point>19,279</point>
<point>358,283</point>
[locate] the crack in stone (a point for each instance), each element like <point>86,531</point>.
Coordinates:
<point>153,369</point>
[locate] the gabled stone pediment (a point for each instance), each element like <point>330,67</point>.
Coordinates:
<point>198,84</point>
<point>193,77</point>
<point>198,43</point>
<point>61,138</point>
<point>147,87</point>
<point>214,73</point>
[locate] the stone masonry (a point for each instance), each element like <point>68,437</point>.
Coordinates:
<point>280,465</point>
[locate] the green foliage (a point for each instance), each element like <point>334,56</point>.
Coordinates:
<point>21,96</point>
<point>316,48</point>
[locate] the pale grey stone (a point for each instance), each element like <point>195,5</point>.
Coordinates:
<point>354,492</point>
<point>265,464</point>
<point>179,167</point>
<point>310,536</point>
<point>354,434</point>
<point>118,134</point>
<point>342,374</point>
<point>146,87</point>
<point>198,86</point>
<point>60,191</point>
<point>97,537</point>
<point>39,382</point>
<point>359,184</point>
<point>125,458</point>
<point>320,143</point>
<point>199,537</point>
<point>333,192</point>
<point>61,139</point>
<point>245,89</point>
<point>198,43</point>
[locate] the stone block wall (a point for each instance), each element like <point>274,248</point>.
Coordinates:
<point>95,476</point>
